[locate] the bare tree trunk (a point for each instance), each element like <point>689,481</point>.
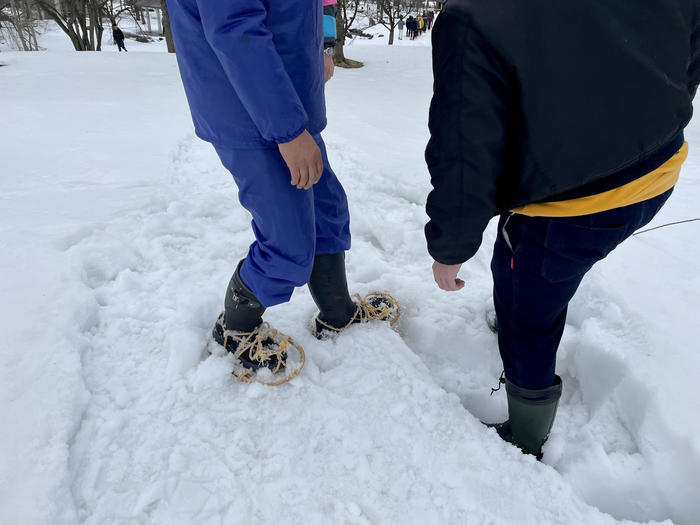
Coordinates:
<point>166,26</point>
<point>31,31</point>
<point>99,28</point>
<point>19,24</point>
<point>339,54</point>
<point>95,14</point>
<point>390,23</point>
<point>80,20</point>
<point>347,21</point>
<point>90,28</point>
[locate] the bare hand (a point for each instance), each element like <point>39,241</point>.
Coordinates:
<point>303,158</point>
<point>446,276</point>
<point>328,67</point>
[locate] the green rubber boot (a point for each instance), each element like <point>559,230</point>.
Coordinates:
<point>530,416</point>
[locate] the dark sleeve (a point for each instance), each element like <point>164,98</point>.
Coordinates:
<point>694,66</point>
<point>468,128</point>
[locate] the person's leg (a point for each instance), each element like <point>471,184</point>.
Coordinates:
<point>538,264</point>
<point>282,255</point>
<point>328,282</point>
<point>530,325</point>
<point>332,218</point>
<point>280,259</point>
<point>535,280</point>
<point>531,316</point>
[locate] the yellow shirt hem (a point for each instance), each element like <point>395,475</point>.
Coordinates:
<point>644,188</point>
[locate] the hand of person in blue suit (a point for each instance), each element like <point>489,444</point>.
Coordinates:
<point>303,158</point>
<point>328,68</point>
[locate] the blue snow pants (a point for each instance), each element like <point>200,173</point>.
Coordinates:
<point>537,275</point>
<point>290,225</point>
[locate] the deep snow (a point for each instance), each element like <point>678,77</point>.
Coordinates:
<point>119,231</point>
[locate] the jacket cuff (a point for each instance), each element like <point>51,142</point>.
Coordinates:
<point>290,137</point>
<point>447,259</point>
<point>444,251</point>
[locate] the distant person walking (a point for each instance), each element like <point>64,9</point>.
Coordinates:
<point>421,25</point>
<point>401,24</point>
<point>414,28</point>
<point>431,17</point>
<point>118,37</point>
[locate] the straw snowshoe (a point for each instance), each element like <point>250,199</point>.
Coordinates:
<point>261,347</point>
<point>255,344</point>
<point>337,310</point>
<point>375,306</point>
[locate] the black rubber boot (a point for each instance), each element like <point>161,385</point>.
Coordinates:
<point>329,289</point>
<point>242,313</point>
<point>242,310</point>
<point>530,416</point>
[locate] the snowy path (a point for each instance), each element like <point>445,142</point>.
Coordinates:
<point>116,418</point>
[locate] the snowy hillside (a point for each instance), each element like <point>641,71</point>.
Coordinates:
<point>119,231</point>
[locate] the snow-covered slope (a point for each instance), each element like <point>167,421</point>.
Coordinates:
<point>119,231</point>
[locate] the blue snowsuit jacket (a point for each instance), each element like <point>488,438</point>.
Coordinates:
<point>252,69</point>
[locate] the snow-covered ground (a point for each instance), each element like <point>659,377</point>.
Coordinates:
<point>119,231</point>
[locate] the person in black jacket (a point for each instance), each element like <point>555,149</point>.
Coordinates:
<point>566,119</point>
<point>118,37</point>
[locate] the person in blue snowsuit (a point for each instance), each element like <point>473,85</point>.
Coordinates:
<point>253,72</point>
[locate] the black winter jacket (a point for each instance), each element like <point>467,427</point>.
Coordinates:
<point>540,100</point>
<point>118,35</point>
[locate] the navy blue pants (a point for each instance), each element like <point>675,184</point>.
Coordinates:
<point>537,275</point>
<point>290,225</point>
